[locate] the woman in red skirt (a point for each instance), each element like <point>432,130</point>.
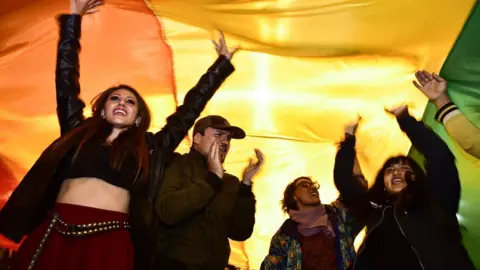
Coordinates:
<point>85,199</point>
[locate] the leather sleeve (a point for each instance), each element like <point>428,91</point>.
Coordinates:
<point>195,101</point>
<point>69,105</point>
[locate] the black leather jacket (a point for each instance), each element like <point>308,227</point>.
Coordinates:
<point>37,192</point>
<point>431,227</point>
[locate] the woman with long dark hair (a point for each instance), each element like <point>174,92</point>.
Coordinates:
<point>410,214</point>
<point>89,193</point>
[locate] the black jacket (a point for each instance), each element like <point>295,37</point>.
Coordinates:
<point>201,212</point>
<point>37,192</point>
<point>431,228</point>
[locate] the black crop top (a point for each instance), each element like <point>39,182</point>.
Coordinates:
<point>93,160</point>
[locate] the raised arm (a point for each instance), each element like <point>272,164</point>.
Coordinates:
<point>196,99</point>
<point>443,181</point>
<point>464,132</point>
<point>69,105</point>
<point>352,190</point>
<point>242,221</point>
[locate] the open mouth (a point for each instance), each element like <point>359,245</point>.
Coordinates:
<point>314,194</point>
<point>223,148</point>
<point>397,181</point>
<point>120,111</point>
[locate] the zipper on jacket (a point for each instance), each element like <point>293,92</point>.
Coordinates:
<point>403,233</point>
<point>362,247</point>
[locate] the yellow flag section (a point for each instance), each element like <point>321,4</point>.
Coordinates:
<point>307,69</point>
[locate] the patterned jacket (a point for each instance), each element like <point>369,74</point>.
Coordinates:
<point>285,252</point>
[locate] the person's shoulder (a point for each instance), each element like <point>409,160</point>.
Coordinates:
<point>179,159</point>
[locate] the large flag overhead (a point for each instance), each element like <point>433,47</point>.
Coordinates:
<point>328,60</point>
<point>308,67</point>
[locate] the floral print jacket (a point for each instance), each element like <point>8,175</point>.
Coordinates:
<point>285,252</point>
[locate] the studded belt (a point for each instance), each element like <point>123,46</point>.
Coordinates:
<point>76,230</point>
<point>90,228</point>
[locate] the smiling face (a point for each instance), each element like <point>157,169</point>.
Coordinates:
<point>397,176</point>
<point>306,193</point>
<point>121,108</point>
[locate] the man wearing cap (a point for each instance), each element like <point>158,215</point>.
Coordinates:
<point>200,205</point>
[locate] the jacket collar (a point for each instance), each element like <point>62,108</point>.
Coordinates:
<point>198,158</point>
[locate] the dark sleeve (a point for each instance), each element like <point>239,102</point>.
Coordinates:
<point>243,215</point>
<point>69,105</point>
<point>443,181</point>
<point>195,101</point>
<point>175,202</point>
<point>354,196</point>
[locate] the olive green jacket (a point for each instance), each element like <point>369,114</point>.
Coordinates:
<point>200,213</point>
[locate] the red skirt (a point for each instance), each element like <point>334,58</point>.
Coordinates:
<point>106,250</point>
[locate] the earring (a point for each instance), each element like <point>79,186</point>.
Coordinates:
<point>137,121</point>
<point>102,114</point>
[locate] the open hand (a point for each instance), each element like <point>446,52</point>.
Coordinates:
<point>82,7</point>
<point>222,49</point>
<point>213,160</point>
<point>431,84</point>
<point>253,167</point>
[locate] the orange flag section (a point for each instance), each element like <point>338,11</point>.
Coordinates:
<point>123,43</point>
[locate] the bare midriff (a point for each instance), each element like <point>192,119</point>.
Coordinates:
<point>95,193</point>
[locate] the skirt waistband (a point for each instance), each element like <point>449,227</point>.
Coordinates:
<point>78,214</point>
<point>89,228</point>
<point>77,220</point>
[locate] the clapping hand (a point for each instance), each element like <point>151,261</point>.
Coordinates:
<point>253,167</point>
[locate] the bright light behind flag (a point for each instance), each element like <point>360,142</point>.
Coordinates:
<point>334,59</point>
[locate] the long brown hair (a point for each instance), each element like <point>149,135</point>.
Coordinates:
<point>132,142</point>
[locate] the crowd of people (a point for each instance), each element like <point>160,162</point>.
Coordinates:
<point>108,194</point>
